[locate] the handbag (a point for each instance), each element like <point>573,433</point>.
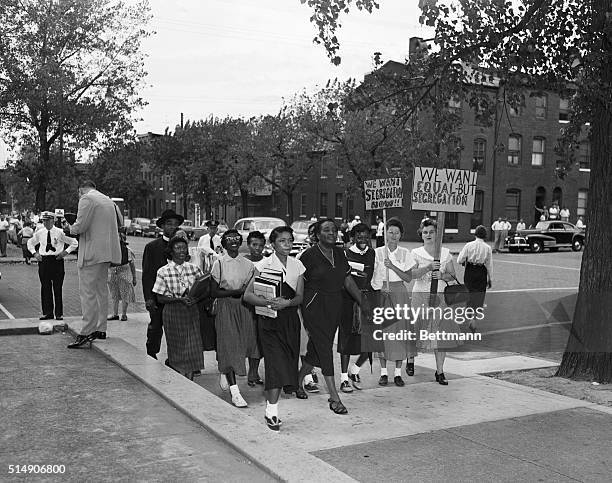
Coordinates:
<point>456,293</point>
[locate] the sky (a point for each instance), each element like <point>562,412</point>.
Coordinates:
<point>242,57</point>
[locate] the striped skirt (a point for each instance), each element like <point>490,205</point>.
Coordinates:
<point>120,283</point>
<point>182,327</point>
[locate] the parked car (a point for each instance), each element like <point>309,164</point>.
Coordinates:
<point>138,226</point>
<point>550,235</point>
<point>300,236</point>
<point>263,224</point>
<point>188,228</point>
<point>151,230</point>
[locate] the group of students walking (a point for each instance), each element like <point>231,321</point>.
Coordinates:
<point>324,290</point>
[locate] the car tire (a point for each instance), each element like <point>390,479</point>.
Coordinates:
<point>536,246</point>
<point>577,245</point>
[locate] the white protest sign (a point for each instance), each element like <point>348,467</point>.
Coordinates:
<point>59,212</point>
<point>383,193</point>
<point>449,190</point>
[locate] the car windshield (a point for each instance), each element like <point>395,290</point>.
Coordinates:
<point>187,223</point>
<point>300,226</point>
<point>143,221</point>
<point>269,224</point>
<point>542,225</point>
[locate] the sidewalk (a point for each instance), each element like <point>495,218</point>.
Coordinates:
<point>475,429</point>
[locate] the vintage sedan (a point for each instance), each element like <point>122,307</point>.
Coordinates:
<point>552,235</point>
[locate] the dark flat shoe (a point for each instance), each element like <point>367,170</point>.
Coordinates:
<point>45,317</point>
<point>81,340</point>
<point>99,335</point>
<point>399,382</point>
<point>440,379</point>
<point>300,393</point>
<point>337,407</point>
<point>254,382</point>
<point>112,317</point>
<point>383,381</point>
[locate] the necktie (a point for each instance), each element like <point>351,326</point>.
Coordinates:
<point>50,247</point>
<point>212,245</point>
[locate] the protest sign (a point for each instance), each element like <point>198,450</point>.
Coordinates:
<point>447,190</point>
<point>383,193</point>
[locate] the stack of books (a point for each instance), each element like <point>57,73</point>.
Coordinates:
<point>268,284</point>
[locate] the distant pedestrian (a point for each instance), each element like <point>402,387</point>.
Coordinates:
<point>153,258</point>
<point>121,283</point>
<point>50,255</point>
<point>25,234</point>
<point>520,225</point>
<point>497,228</point>
<point>4,226</point>
<point>356,220</point>
<point>506,227</point>
<point>210,243</point>
<point>477,259</point>
<point>565,214</point>
<point>580,223</point>
<point>553,211</point>
<point>380,232</point>
<point>97,223</point>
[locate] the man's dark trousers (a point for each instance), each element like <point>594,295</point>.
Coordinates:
<point>155,331</point>
<point>51,275</point>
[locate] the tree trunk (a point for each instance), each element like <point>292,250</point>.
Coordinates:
<point>244,196</point>
<point>185,204</point>
<point>289,207</point>
<point>588,354</point>
<point>43,167</point>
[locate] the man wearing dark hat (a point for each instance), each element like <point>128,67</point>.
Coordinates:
<point>211,242</point>
<point>50,256</point>
<point>153,259</point>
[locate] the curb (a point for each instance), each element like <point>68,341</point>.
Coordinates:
<point>268,450</point>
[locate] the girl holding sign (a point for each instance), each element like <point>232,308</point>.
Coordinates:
<point>391,271</point>
<point>426,269</point>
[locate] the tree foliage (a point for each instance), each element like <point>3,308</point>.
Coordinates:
<point>70,70</point>
<point>564,46</point>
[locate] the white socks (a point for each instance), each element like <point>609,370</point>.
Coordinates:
<point>344,376</point>
<point>308,379</point>
<point>354,368</point>
<point>383,371</point>
<point>271,410</point>
<point>398,371</point>
<point>234,390</point>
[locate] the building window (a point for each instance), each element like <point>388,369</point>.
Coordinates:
<point>582,202</point>
<point>541,106</point>
<point>478,205</point>
<point>323,169</point>
<point>454,105</point>
<point>584,155</point>
<point>480,153</point>
<point>339,173</point>
<point>338,208</point>
<point>537,152</point>
<point>303,201</point>
<point>513,204</point>
<point>564,110</point>
<point>453,153</point>
<point>323,205</point>
<point>557,195</point>
<point>350,207</point>
<point>451,221</point>
<point>514,150</point>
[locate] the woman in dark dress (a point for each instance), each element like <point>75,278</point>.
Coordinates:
<point>327,274</point>
<point>355,334</point>
<point>279,337</point>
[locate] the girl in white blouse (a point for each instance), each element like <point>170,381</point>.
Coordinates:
<point>426,270</point>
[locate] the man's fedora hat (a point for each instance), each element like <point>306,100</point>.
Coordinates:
<point>212,223</point>
<point>167,215</point>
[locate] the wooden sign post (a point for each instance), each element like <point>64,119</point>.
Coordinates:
<point>382,194</point>
<point>442,191</point>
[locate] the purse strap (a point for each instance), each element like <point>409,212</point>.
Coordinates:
<point>455,278</point>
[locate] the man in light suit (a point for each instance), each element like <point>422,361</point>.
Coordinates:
<point>97,222</point>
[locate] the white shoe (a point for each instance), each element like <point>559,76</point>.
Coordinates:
<point>223,384</point>
<point>238,401</point>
